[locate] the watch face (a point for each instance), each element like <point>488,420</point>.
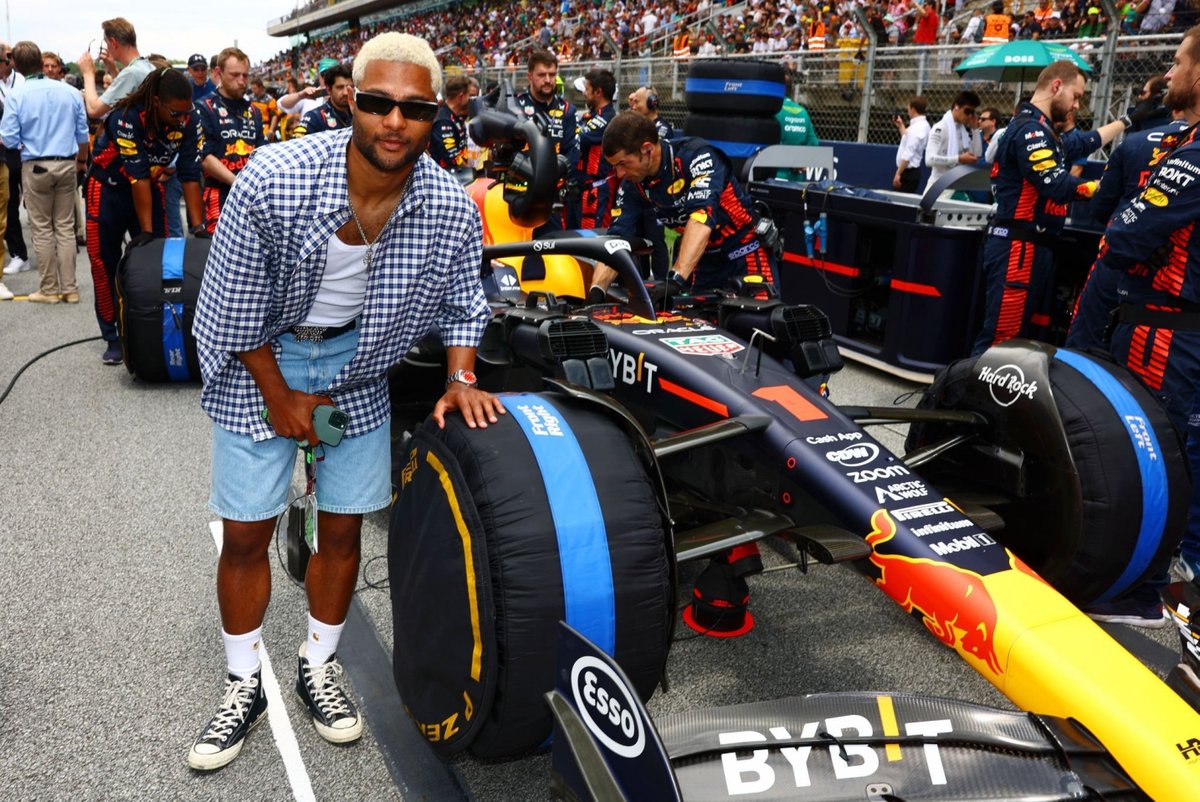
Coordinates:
<point>467,376</point>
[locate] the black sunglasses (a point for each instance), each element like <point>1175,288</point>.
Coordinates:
<point>175,115</point>
<point>416,110</point>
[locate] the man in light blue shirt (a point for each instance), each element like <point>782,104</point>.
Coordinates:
<point>120,47</point>
<point>44,120</point>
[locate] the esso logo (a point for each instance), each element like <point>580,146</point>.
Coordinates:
<point>854,456</point>
<point>607,707</point>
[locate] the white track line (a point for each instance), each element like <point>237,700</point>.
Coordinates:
<point>281,725</point>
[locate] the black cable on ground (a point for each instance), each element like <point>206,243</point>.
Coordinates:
<point>47,352</point>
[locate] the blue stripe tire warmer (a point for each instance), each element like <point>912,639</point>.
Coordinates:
<point>495,536</point>
<point>157,287</point>
<point>741,87</point>
<point>1095,468</point>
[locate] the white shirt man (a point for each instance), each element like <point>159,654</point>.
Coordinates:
<point>951,141</point>
<point>649,22</point>
<point>912,146</point>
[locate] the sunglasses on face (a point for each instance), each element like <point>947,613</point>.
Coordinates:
<point>414,110</point>
<point>175,115</point>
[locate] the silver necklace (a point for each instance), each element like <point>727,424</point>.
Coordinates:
<point>362,233</point>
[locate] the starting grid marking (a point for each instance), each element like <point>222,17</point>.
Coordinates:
<point>281,725</point>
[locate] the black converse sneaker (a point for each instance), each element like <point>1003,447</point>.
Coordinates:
<point>323,689</point>
<point>241,709</point>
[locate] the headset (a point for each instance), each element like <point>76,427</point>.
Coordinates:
<point>651,99</point>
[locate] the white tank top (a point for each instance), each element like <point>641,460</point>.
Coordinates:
<point>343,287</point>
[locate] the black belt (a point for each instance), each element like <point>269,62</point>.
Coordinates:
<point>1018,231</point>
<point>53,159</point>
<point>317,334</point>
<point>1185,319</point>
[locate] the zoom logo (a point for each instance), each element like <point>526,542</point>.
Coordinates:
<point>607,707</point>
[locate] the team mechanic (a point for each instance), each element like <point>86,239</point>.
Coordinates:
<point>1154,244</point>
<point>1033,186</point>
<point>592,180</point>
<point>337,253</point>
<point>691,186</point>
<point>553,113</point>
<point>336,111</point>
<point>232,128</point>
<point>644,100</point>
<point>1125,175</point>
<point>449,144</point>
<point>145,131</point>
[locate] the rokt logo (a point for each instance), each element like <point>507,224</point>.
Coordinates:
<point>1007,384</point>
<point>607,707</point>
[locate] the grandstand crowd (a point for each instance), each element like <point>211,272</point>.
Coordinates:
<point>502,34</point>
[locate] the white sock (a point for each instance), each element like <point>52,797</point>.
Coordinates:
<point>322,640</point>
<point>241,652</point>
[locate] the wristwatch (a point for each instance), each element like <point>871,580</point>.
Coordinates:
<point>462,377</point>
<point>1128,123</point>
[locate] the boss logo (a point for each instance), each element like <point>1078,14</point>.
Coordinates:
<point>854,456</point>
<point>607,707</point>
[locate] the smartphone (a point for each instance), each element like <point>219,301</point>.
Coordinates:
<point>328,422</point>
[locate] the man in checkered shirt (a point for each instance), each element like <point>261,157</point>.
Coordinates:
<point>333,255</point>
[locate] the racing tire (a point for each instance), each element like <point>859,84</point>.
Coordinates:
<point>744,87</point>
<point>1103,470</point>
<point>157,287</point>
<point>739,138</point>
<point>499,533</point>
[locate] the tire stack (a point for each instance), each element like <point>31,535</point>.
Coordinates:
<point>732,103</point>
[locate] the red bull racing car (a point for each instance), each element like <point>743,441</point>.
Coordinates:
<point>1036,479</point>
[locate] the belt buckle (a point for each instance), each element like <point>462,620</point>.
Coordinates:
<point>309,334</point>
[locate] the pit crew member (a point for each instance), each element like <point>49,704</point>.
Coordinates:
<point>691,187</point>
<point>268,109</point>
<point>449,145</point>
<point>1153,242</point>
<point>335,112</point>
<point>592,184</point>
<point>645,101</point>
<point>284,326</point>
<point>553,113</point>
<point>145,131</point>
<point>1125,175</point>
<point>232,128</point>
<point>1033,186</point>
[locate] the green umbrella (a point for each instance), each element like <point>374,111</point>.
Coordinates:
<point>1021,60</point>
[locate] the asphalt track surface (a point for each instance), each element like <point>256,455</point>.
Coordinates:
<point>111,658</point>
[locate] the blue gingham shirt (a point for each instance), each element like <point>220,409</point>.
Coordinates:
<point>268,255</point>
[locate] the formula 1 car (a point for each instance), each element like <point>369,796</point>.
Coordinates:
<point>723,400</point>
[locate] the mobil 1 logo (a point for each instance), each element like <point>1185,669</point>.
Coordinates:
<point>607,707</point>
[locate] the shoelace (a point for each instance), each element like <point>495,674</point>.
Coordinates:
<point>325,684</point>
<point>239,696</point>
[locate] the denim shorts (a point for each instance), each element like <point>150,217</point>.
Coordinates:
<point>250,481</point>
